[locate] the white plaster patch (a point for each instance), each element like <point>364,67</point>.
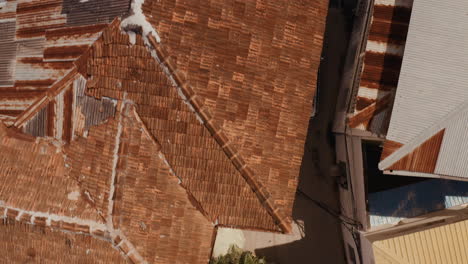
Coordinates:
<point>383,47</point>
<point>404,3</point>
<point>53,217</point>
<point>225,238</point>
<point>132,39</point>
<point>139,19</point>
<point>251,240</point>
<point>74,196</point>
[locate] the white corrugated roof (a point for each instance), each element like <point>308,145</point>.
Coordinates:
<point>432,92</point>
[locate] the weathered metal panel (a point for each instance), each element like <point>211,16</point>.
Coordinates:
<point>432,92</point>
<point>73,36</point>
<point>434,72</point>
<point>453,155</point>
<point>7,10</point>
<point>37,126</point>
<point>93,12</point>
<point>93,110</point>
<point>59,116</point>
<point>423,158</point>
<point>35,17</point>
<point>33,47</point>
<point>7,52</point>
<point>40,39</point>
<point>36,69</point>
<point>381,64</point>
<point>67,115</point>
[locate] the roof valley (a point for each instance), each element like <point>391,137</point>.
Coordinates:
<point>205,117</point>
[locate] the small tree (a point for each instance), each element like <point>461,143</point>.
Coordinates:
<point>236,255</point>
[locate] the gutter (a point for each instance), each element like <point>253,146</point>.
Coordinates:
<point>354,60</point>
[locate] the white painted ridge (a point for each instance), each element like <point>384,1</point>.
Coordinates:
<point>110,203</point>
<point>138,18</point>
<point>49,217</point>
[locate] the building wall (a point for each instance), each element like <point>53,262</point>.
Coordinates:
<point>353,203</point>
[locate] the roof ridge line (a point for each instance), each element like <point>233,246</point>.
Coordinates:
<point>189,96</point>
<point>73,225</point>
<point>115,162</point>
<point>423,136</point>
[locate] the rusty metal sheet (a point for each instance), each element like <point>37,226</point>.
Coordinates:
<point>40,40</point>
<point>69,114</point>
<point>381,65</point>
<point>7,52</point>
<point>37,126</point>
<point>7,10</point>
<point>35,17</point>
<point>33,47</point>
<point>93,12</point>
<point>94,111</point>
<point>35,69</point>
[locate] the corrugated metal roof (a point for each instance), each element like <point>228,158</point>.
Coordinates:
<point>40,39</point>
<point>446,244</point>
<point>381,65</point>
<point>423,158</point>
<point>454,149</point>
<point>7,52</point>
<point>432,93</point>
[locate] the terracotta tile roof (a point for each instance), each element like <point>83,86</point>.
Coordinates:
<point>252,68</point>
<point>151,208</point>
<point>126,205</point>
<point>23,243</point>
<point>122,71</point>
<point>34,178</point>
<point>150,145</point>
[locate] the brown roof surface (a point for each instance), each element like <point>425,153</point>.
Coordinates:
<point>191,151</point>
<point>24,243</point>
<point>149,211</point>
<point>34,178</point>
<point>252,66</point>
<point>149,145</point>
<point>381,66</point>
<point>151,208</point>
<point>421,159</point>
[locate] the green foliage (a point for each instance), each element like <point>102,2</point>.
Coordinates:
<point>236,255</point>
